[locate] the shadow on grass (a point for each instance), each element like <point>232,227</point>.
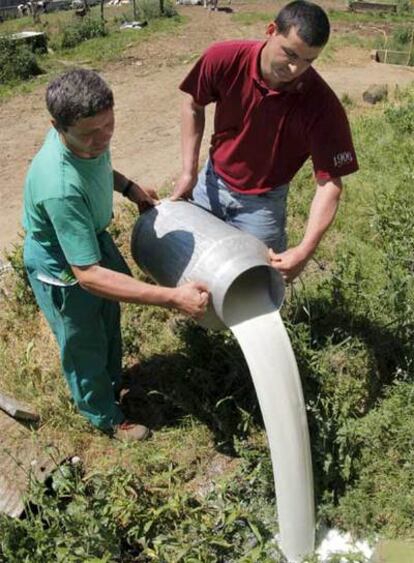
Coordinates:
<point>388,346</point>
<point>387,352</point>
<point>210,381</point>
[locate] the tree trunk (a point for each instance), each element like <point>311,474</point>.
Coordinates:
<point>162,7</point>
<point>102,13</point>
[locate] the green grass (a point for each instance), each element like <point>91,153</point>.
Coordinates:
<point>339,41</point>
<point>101,50</point>
<point>345,16</point>
<point>201,489</point>
<point>94,52</point>
<point>335,16</point>
<point>251,18</point>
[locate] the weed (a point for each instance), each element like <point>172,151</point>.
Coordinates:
<point>374,17</point>
<point>76,33</point>
<point>113,516</point>
<point>402,35</point>
<point>23,297</point>
<point>250,18</point>
<point>347,101</point>
<point>351,323</point>
<point>89,40</point>
<point>383,489</point>
<point>402,117</point>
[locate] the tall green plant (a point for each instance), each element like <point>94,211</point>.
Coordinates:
<point>17,62</point>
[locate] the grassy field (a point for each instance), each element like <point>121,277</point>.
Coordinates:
<point>201,489</point>
<point>86,42</point>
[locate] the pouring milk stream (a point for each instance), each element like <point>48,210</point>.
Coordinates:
<point>178,242</point>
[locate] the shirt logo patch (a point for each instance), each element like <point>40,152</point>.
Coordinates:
<point>342,158</point>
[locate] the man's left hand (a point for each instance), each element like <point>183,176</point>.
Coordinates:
<point>145,198</point>
<point>289,263</point>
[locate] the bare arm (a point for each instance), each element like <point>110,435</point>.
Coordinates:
<point>191,298</point>
<point>322,213</point>
<point>192,130</point>
<point>143,197</point>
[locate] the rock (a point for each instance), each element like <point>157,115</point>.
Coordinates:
<point>35,40</point>
<point>375,93</point>
<point>374,56</point>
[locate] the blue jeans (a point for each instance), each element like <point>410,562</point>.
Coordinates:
<point>263,216</point>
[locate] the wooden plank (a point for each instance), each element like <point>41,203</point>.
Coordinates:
<point>22,457</point>
<point>362,6</point>
<point>387,56</point>
<point>17,409</point>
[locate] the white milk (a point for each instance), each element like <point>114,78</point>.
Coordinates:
<point>250,313</point>
<point>342,544</point>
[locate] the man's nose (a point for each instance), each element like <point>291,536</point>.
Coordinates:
<point>107,134</point>
<point>293,67</point>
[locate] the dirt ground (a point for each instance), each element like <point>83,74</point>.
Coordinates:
<point>146,144</point>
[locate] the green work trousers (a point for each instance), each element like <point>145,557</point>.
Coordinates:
<point>88,332</point>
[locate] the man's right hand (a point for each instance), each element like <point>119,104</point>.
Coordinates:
<point>191,299</point>
<point>184,186</point>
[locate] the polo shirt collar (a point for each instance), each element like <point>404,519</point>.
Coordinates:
<point>297,86</point>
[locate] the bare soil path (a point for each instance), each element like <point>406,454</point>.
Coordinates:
<point>146,144</point>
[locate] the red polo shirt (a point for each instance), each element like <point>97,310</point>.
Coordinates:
<point>262,136</point>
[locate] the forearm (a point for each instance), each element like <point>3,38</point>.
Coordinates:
<point>120,287</point>
<point>120,181</point>
<point>322,213</point>
<point>192,130</point>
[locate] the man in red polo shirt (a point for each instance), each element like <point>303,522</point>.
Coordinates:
<point>273,111</point>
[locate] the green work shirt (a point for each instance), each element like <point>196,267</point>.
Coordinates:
<point>68,202</point>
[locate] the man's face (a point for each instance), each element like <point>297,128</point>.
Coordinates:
<point>284,58</point>
<point>90,136</point>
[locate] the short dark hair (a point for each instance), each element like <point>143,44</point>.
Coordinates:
<point>310,21</point>
<point>77,94</point>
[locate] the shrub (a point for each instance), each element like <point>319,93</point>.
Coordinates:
<point>404,6</point>
<point>383,491</point>
<point>77,33</point>
<point>150,9</point>
<point>17,62</point>
<point>112,516</point>
<point>402,35</point>
<point>402,118</point>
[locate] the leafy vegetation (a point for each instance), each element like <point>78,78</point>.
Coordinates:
<point>17,62</point>
<point>346,16</point>
<point>72,39</point>
<point>116,517</point>
<point>201,489</point>
<point>74,34</point>
<point>353,330</point>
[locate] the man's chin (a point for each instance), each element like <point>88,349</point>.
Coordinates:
<point>98,151</point>
<point>284,78</point>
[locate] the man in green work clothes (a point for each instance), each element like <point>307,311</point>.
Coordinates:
<point>77,273</point>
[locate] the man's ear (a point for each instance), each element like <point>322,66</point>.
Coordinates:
<point>271,29</point>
